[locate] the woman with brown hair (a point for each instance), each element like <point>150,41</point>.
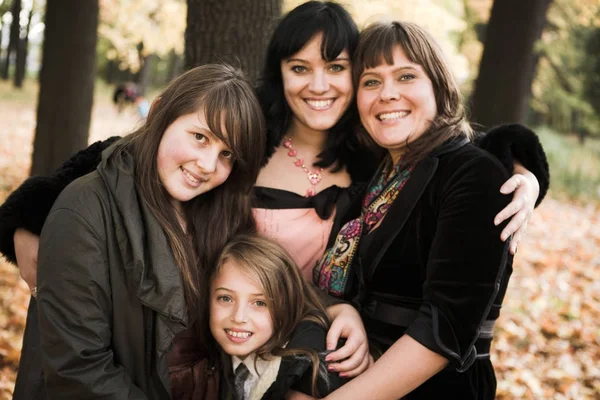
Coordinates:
<point>124,248</point>
<point>419,255</point>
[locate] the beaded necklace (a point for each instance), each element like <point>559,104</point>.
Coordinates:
<point>314,177</point>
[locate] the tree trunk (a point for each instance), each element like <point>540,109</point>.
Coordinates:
<point>13,43</point>
<point>234,31</point>
<point>144,74</point>
<point>1,36</point>
<point>66,82</point>
<point>175,66</point>
<point>508,62</point>
<point>22,50</point>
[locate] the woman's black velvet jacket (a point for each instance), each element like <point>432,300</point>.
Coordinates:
<point>435,268</point>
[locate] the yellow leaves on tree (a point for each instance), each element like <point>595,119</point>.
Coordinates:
<point>157,24</point>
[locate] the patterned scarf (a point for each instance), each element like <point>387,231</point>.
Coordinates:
<point>332,271</point>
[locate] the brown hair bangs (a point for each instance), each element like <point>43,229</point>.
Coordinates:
<point>376,46</point>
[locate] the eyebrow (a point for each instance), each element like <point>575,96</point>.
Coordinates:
<point>396,70</point>
<point>231,291</point>
<point>289,60</point>
<point>202,128</point>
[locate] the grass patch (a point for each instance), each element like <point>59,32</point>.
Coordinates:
<point>27,94</point>
<point>574,168</point>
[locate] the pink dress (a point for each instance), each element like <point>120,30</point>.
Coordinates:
<point>301,225</point>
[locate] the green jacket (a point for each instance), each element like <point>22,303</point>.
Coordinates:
<point>110,295</point>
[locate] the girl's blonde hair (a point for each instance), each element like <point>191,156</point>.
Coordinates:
<point>289,297</point>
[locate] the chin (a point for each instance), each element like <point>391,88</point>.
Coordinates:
<point>324,125</point>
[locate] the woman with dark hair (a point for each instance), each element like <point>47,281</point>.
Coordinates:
<point>419,255</point>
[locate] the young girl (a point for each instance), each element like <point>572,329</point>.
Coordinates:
<point>122,253</point>
<point>269,323</point>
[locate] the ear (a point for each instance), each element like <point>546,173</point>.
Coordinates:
<point>154,105</point>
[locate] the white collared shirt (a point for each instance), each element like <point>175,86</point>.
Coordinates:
<point>255,373</point>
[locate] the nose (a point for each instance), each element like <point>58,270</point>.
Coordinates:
<point>239,314</point>
<point>389,92</point>
<point>319,82</point>
<point>208,159</point>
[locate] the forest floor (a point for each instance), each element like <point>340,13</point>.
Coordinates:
<point>547,341</point>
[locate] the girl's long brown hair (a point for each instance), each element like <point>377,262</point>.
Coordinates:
<point>233,114</point>
<point>289,297</point>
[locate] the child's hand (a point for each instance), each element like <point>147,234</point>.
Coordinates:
<point>353,358</point>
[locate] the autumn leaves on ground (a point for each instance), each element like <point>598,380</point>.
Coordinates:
<point>547,344</point>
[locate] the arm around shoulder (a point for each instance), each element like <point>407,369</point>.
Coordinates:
<point>28,206</point>
<point>516,142</point>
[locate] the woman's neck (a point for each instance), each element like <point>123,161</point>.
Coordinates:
<point>306,138</point>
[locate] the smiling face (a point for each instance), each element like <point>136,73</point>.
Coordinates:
<point>396,102</point>
<point>191,159</point>
<point>240,320</point>
<point>317,91</point>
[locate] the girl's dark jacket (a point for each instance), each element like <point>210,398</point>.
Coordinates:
<point>107,336</point>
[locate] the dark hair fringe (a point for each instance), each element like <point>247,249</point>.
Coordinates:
<point>342,147</point>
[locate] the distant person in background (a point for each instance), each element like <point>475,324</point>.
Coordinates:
<point>127,93</point>
<point>143,106</point>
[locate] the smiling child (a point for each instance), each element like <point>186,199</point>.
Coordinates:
<point>269,322</point>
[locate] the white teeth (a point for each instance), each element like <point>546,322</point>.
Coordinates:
<point>393,115</point>
<point>190,176</point>
<point>320,104</point>
<point>241,335</point>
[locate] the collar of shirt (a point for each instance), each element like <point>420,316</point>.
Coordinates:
<point>256,369</point>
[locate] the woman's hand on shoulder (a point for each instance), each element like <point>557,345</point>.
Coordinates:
<point>353,357</point>
<point>526,189</point>
<point>26,252</point>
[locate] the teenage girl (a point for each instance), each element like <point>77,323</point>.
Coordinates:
<point>123,251</point>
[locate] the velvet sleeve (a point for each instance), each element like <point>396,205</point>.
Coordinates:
<point>466,261</point>
<point>75,307</point>
<point>28,206</point>
<point>517,142</point>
